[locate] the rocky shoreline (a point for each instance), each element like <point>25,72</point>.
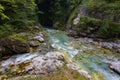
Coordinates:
<point>32,64</point>
<point>111,45</point>
<point>37,65</point>
<point>35,42</point>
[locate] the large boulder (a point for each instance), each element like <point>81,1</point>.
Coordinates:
<point>115,66</point>
<point>33,63</point>
<point>13,46</point>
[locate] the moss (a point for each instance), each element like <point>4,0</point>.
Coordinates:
<point>97,76</point>
<point>105,28</point>
<point>86,22</point>
<point>3,77</point>
<point>102,15</point>
<point>20,36</point>
<point>110,29</point>
<point>62,74</point>
<point>72,16</point>
<point>5,30</point>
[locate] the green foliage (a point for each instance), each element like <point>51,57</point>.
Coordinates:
<point>110,29</point>
<point>2,15</point>
<point>21,37</point>
<point>24,13</point>
<point>101,16</point>
<point>103,27</point>
<point>86,22</point>
<point>72,16</point>
<point>57,10</point>
<point>18,14</point>
<point>61,11</point>
<point>5,30</point>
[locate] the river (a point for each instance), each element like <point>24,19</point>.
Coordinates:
<point>87,56</point>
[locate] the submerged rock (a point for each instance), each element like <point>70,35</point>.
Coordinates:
<point>53,46</point>
<point>115,66</point>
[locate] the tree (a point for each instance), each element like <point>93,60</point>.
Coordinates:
<point>2,15</point>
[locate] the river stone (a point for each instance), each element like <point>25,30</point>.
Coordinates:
<point>33,64</point>
<point>45,64</point>
<point>115,66</point>
<point>39,38</point>
<point>34,43</point>
<point>53,46</point>
<point>81,71</point>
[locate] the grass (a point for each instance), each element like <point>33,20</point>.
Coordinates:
<point>62,74</point>
<point>19,36</point>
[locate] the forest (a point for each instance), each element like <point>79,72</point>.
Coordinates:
<point>59,39</point>
<point>17,15</point>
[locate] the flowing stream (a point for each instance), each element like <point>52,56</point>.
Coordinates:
<point>87,56</point>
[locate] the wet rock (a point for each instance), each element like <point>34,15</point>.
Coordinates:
<point>21,48</point>
<point>34,43</point>
<point>87,40</point>
<point>45,64</point>
<point>81,71</point>
<point>34,64</point>
<point>11,64</point>
<point>53,46</point>
<point>115,66</point>
<point>12,46</point>
<point>72,33</point>
<point>54,55</point>
<point>111,45</point>
<point>39,38</point>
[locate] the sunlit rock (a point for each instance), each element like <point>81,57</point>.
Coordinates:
<point>34,43</point>
<point>53,46</point>
<point>115,66</point>
<point>81,71</point>
<point>34,64</point>
<point>39,38</point>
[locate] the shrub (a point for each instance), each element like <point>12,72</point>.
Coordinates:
<point>6,30</point>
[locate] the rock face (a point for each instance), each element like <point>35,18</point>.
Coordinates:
<point>82,11</point>
<point>89,21</point>
<point>34,64</point>
<point>9,46</point>
<point>111,45</point>
<point>115,66</point>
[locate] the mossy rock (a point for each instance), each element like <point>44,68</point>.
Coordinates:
<point>13,46</point>
<point>62,74</point>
